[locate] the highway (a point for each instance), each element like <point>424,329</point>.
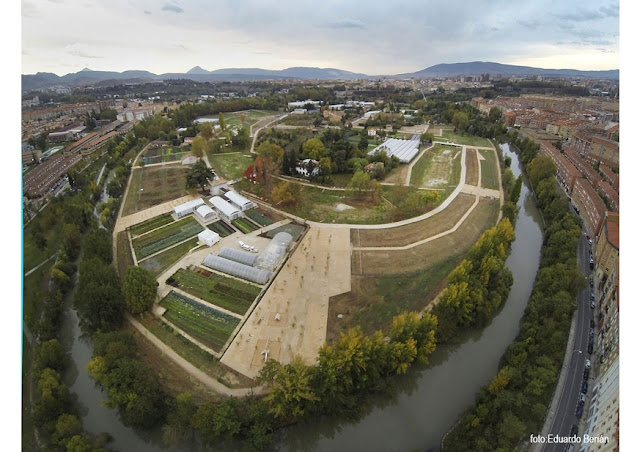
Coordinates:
<point>565,415</point>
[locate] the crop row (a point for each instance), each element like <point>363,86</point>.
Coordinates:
<point>165,237</point>
<point>213,290</point>
<point>245,225</point>
<point>258,217</point>
<point>151,224</point>
<point>204,323</point>
<point>221,228</point>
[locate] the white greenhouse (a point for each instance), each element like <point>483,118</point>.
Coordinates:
<point>240,256</point>
<point>275,252</point>
<point>225,209</point>
<point>405,150</point>
<point>221,264</point>
<point>188,207</point>
<point>206,213</point>
<point>239,201</point>
<point>209,237</point>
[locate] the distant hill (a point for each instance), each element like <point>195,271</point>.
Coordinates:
<point>481,67</point>
<point>88,77</point>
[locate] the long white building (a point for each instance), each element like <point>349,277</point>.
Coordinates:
<point>225,209</point>
<point>239,201</point>
<point>405,150</point>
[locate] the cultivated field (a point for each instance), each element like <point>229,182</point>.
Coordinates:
<point>154,185</point>
<point>437,168</point>
<point>208,326</point>
<point>228,293</point>
<point>222,228</point>
<point>150,225</point>
<point>404,235</point>
<point>472,167</point>
<point>244,225</point>
<point>164,237</point>
<point>237,119</point>
<point>165,154</point>
<point>469,140</point>
<point>159,263</point>
<point>423,256</point>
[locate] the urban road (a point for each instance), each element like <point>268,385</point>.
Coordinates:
<point>565,416</point>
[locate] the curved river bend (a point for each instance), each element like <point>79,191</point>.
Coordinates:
<point>426,402</point>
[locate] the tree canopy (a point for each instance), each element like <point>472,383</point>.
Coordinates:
<point>139,289</point>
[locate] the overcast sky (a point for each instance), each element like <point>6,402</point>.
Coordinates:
<point>371,37</point>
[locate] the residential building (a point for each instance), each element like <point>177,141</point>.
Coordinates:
<point>592,208</point>
<point>610,176</point>
<point>567,172</point>
<point>606,149</point>
<point>610,195</point>
<point>607,247</point>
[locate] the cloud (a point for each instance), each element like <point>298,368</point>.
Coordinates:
<point>530,24</point>
<point>172,7</point>
<point>147,12</point>
<point>80,50</point>
<point>346,23</point>
<point>585,15</point>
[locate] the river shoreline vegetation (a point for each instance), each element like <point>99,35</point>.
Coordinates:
<point>515,403</point>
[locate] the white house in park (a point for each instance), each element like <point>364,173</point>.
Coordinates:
<point>206,213</point>
<point>188,207</point>
<point>225,209</point>
<point>209,237</point>
<point>239,201</point>
<point>217,185</point>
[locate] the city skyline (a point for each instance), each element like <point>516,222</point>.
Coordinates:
<point>62,36</point>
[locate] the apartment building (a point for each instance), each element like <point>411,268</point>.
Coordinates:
<point>592,208</point>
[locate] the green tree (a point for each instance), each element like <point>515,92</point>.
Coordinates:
<point>97,243</point>
<point>287,194</point>
<point>242,138</point>
<point>198,146</point>
<point>71,240</point>
<point>67,426</point>
<point>215,422</point>
<point>460,121</point>
<point>199,175</point>
<point>495,114</point>
<point>221,122</point>
<point>51,354</point>
<point>206,130</point>
<point>139,289</point>
<point>314,149</point>
<point>541,167</point>
<point>359,184</point>
<point>363,144</point>
<point>179,419</point>
<point>426,137</point>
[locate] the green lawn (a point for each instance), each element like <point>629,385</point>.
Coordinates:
<point>420,168</point>
<point>34,291</point>
<point>162,238</point>
<point>235,119</point>
<point>162,261</point>
<point>151,224</point>
<point>258,217</point>
<point>470,140</point>
<point>227,293</point>
<point>230,166</point>
<point>489,170</point>
<point>205,324</point>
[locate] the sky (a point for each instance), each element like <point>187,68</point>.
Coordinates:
<point>373,37</point>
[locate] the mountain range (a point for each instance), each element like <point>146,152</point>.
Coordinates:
<point>89,77</point>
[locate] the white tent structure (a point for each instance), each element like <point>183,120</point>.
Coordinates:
<point>225,209</point>
<point>206,213</point>
<point>239,201</point>
<point>243,257</point>
<point>405,150</point>
<point>188,207</point>
<point>209,237</point>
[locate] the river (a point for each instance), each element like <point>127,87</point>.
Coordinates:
<point>425,403</point>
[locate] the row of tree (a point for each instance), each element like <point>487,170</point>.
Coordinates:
<point>514,404</point>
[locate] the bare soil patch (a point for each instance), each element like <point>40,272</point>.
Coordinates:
<point>151,186</point>
<point>397,175</point>
<point>422,256</point>
<point>404,235</point>
<point>472,168</point>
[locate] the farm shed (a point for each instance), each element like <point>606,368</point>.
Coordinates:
<point>239,201</point>
<point>255,275</point>
<point>225,208</point>
<point>209,237</point>
<point>243,257</point>
<point>274,253</point>
<point>206,213</point>
<point>188,207</point>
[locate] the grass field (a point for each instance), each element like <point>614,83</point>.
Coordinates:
<point>151,224</point>
<point>437,168</point>
<point>489,170</point>
<point>237,119</point>
<point>230,166</point>
<point>165,154</point>
<point>207,325</point>
<point>472,168</point>
<point>422,256</point>
<point>123,251</point>
<point>154,185</point>
<point>228,293</point>
<point>165,237</point>
<point>469,140</point>
<point>404,235</point>
<point>244,225</point>
<point>162,261</point>
<point>34,291</point>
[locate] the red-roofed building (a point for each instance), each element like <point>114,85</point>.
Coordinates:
<point>605,149</point>
<point>583,166</point>
<point>567,173</point>
<point>610,177</point>
<point>608,246</point>
<point>611,195</point>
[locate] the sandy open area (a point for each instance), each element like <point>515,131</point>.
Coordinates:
<point>319,267</point>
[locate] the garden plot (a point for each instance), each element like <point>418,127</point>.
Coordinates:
<point>436,168</point>
<point>472,167</point>
<point>159,263</point>
<point>228,293</point>
<point>165,154</point>
<point>154,185</point>
<point>245,225</point>
<point>258,217</point>
<point>222,228</point>
<point>150,225</point>
<point>162,238</point>
<point>205,324</point>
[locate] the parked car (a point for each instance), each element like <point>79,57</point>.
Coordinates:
<point>585,375</point>
<point>591,265</point>
<point>591,283</point>
<point>587,363</point>
<point>585,387</point>
<point>592,323</point>
<point>590,348</point>
<point>582,398</point>
<point>579,410</point>
<point>593,305</point>
<point>574,430</point>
